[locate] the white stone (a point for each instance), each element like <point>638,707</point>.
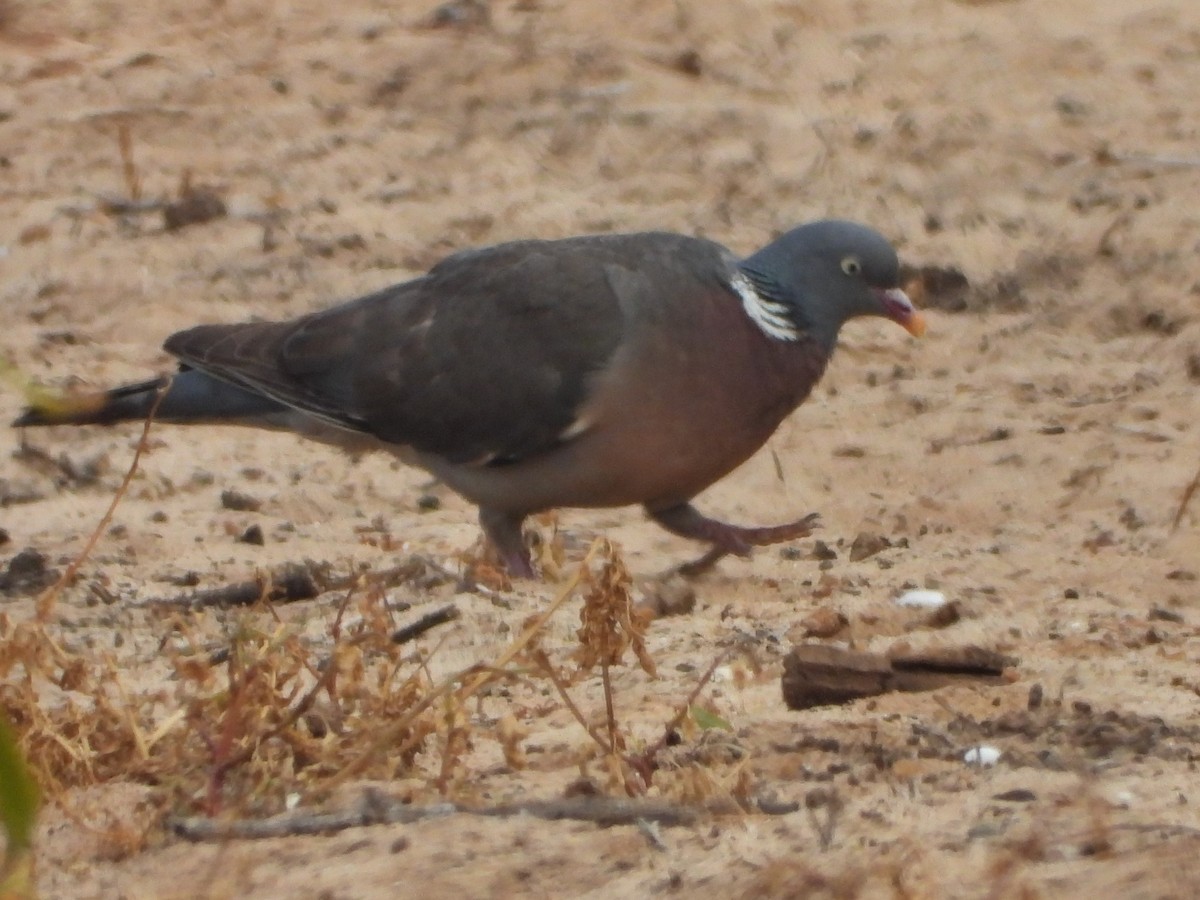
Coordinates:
<point>922,599</point>
<point>982,755</point>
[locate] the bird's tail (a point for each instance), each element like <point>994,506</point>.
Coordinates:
<point>188,396</point>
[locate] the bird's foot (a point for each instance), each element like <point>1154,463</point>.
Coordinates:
<point>518,565</point>
<point>503,530</point>
<point>686,521</point>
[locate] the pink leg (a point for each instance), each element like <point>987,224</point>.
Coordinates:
<point>686,521</point>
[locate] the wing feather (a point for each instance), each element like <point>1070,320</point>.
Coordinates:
<point>489,357</point>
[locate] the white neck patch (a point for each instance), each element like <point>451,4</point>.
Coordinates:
<point>769,315</point>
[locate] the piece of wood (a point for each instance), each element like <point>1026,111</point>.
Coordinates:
<point>428,621</point>
<point>818,675</point>
<point>290,583</point>
<point>966,659</point>
<point>303,581</point>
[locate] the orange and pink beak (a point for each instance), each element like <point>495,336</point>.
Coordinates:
<point>899,308</point>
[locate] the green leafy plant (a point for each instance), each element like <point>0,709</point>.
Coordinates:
<point>707,720</point>
<point>18,808</point>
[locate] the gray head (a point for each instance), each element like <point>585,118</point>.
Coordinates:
<point>824,273</point>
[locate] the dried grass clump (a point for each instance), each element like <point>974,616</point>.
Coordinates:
<point>270,716</point>
<point>274,717</point>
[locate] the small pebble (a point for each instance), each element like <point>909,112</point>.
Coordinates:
<point>253,535</point>
<point>1036,693</point>
<point>823,551</point>
<point>1016,795</point>
<point>29,571</point>
<point>673,596</point>
<point>866,545</point>
<point>239,501</point>
<point>824,622</point>
<point>1165,615</point>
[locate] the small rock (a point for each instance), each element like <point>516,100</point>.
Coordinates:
<point>252,535</point>
<point>1157,613</point>
<point>673,596</point>
<point>688,62</point>
<point>194,208</point>
<point>921,599</point>
<point>823,551</point>
<point>824,622</point>
<point>1036,693</point>
<point>16,493</point>
<point>850,451</point>
<point>202,478</point>
<point>944,616</point>
<point>236,500</point>
<point>461,14</point>
<point>27,572</point>
<point>1016,795</point>
<point>1071,108</point>
<point>867,544</point>
<point>982,755</point>
<point>985,830</point>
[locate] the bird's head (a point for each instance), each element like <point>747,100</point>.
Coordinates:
<point>821,274</point>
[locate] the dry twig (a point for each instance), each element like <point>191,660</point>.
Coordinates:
<point>1184,501</point>
<point>426,623</point>
<point>378,810</point>
<point>289,583</point>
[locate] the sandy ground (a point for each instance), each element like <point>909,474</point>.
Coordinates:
<point>1027,458</point>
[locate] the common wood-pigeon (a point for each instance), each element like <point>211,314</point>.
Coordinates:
<point>594,371</point>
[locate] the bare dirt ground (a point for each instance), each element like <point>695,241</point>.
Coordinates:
<point>1026,458</point>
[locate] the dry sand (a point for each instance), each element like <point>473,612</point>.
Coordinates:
<point>1026,458</point>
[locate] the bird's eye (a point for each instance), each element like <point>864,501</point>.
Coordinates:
<point>851,266</point>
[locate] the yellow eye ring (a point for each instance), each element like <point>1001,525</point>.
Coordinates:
<point>851,266</point>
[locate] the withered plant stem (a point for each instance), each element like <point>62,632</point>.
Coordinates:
<point>482,675</point>
<point>1183,503</point>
